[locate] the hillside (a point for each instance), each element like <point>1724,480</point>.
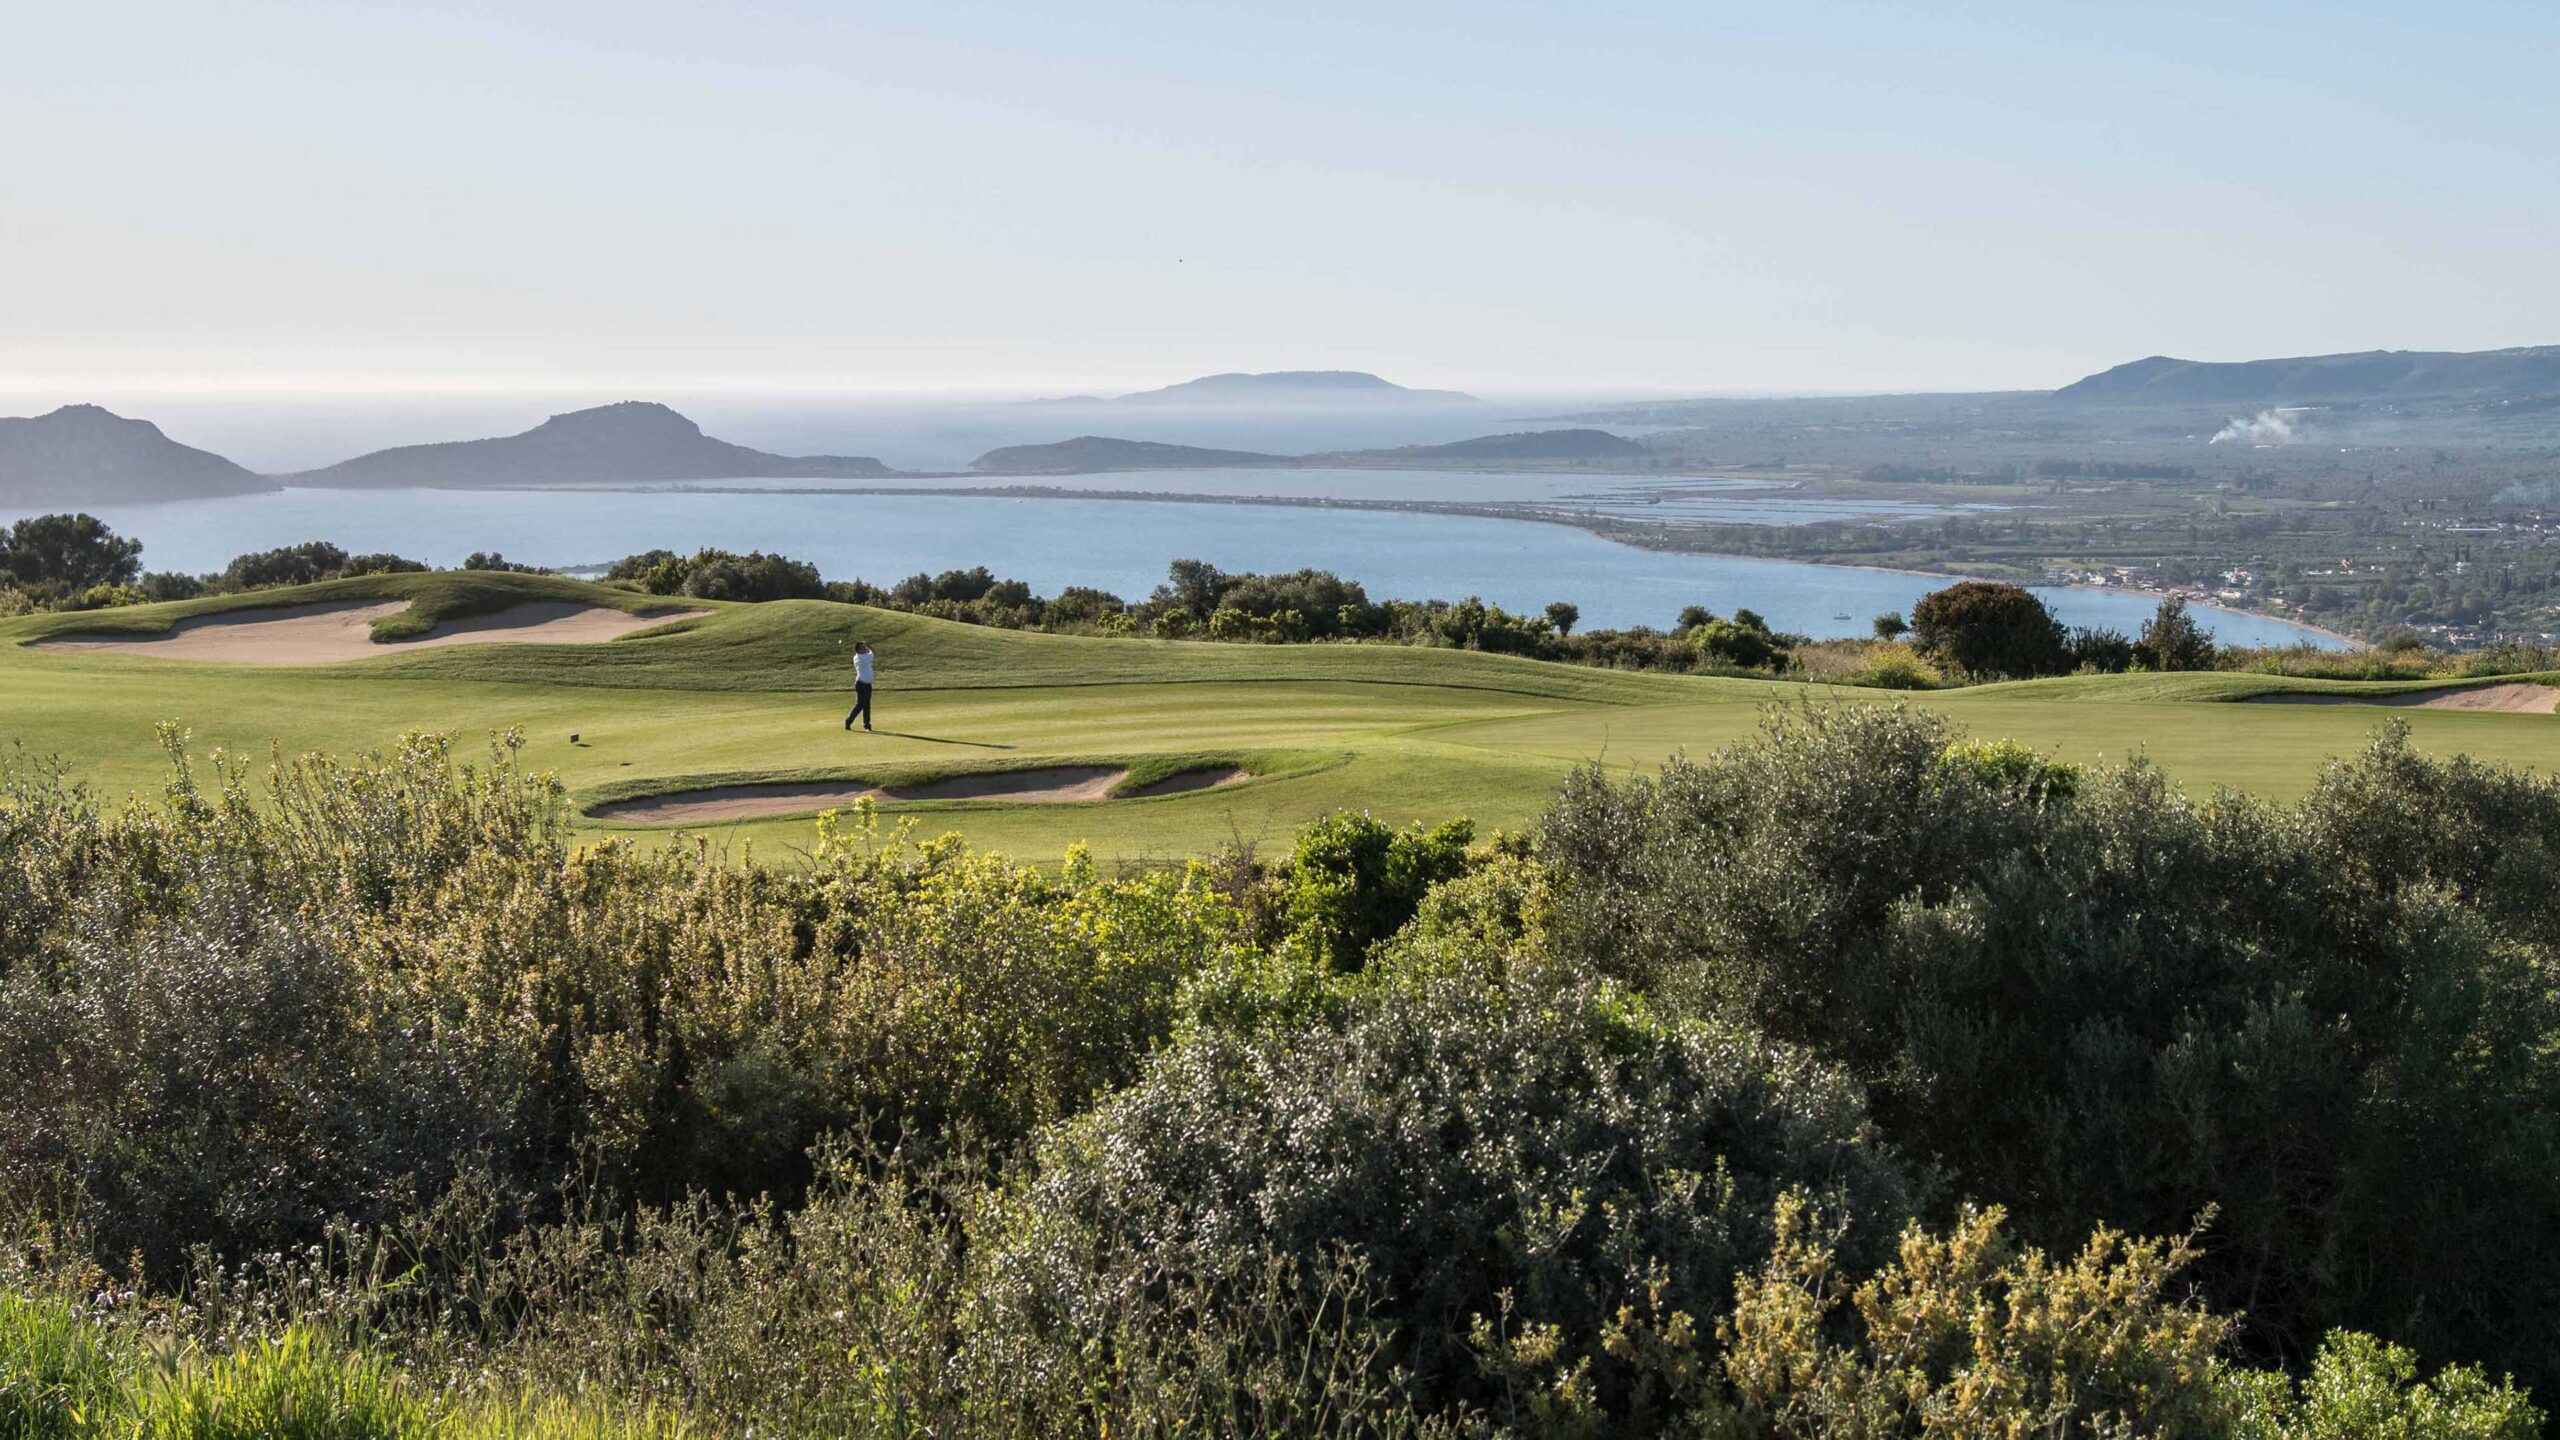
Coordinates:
<point>1523,445</point>
<point>1293,388</point>
<point>84,455</point>
<point>2366,375</point>
<point>633,440</point>
<point>1105,452</point>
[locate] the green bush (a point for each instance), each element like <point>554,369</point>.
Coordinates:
<point>1990,630</point>
<point>1504,1157</point>
<point>2102,1001</point>
<point>226,1020</point>
<point>1353,881</point>
<point>2362,1389</point>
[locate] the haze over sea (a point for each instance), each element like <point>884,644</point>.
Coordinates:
<point>1118,545</point>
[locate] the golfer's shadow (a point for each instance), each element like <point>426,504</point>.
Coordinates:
<point>942,740</point>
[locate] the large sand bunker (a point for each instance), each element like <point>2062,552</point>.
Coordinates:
<point>2515,697</point>
<point>342,630</point>
<point>1050,785</point>
<point>1054,785</point>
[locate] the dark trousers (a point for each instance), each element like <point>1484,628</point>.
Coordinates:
<point>861,707</point>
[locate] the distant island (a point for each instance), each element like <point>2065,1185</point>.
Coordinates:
<point>2365,375</point>
<point>634,440</point>
<point>1289,389</point>
<point>1087,453</point>
<point>1579,444</point>
<point>1105,452</point>
<point>85,455</point>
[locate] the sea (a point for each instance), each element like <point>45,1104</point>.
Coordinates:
<point>1124,545</point>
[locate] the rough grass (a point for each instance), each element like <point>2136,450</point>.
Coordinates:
<point>64,1376</point>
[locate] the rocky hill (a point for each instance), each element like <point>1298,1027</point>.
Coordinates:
<point>631,441</point>
<point>84,455</point>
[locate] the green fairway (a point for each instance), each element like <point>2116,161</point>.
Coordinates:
<point>757,693</point>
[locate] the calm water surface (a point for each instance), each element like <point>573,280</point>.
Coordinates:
<point>1660,500</point>
<point>1118,545</point>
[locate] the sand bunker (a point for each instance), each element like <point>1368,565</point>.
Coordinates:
<point>328,633</point>
<point>2518,697</point>
<point>1055,785</point>
<point>1051,785</point>
<point>1206,778</point>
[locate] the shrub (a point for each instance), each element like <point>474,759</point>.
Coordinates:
<point>2099,1000</point>
<point>226,1020</point>
<point>2359,1387</point>
<point>161,585</point>
<point>1895,669</point>
<point>1743,643</point>
<point>1509,1164</point>
<point>718,575</point>
<point>755,576</point>
<point>302,564</point>
<point>2101,651</point>
<point>1990,629</point>
<point>107,597</point>
<point>1353,881</point>
<point>1970,1335</point>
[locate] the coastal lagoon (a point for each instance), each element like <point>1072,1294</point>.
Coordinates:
<point>1118,545</point>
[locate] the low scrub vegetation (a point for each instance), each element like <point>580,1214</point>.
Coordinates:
<point>1862,1080</point>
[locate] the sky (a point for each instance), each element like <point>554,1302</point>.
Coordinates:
<point>964,196</point>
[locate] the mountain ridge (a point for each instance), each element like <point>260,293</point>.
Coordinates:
<point>2352,375</point>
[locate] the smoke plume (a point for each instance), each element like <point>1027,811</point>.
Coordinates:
<point>2267,427</point>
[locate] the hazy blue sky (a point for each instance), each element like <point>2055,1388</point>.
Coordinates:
<point>1660,197</point>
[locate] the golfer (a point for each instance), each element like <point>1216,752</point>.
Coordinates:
<point>862,663</point>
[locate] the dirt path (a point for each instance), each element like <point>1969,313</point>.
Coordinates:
<point>1055,785</point>
<point>329,633</point>
<point>2520,697</point>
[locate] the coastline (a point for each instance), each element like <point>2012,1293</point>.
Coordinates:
<point>1528,511</point>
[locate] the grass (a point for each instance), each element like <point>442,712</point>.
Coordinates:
<point>61,1378</point>
<point>757,693</point>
